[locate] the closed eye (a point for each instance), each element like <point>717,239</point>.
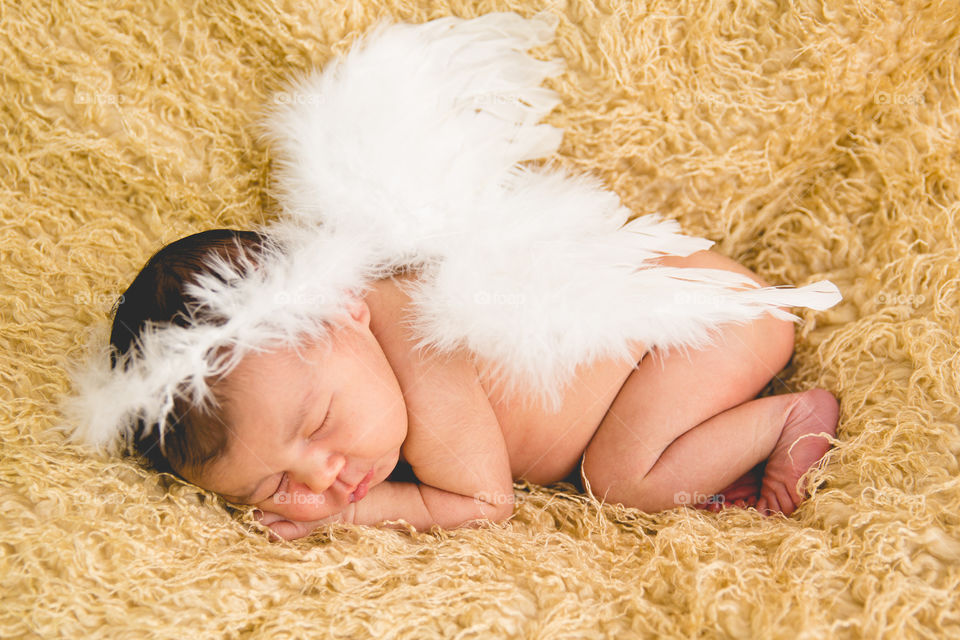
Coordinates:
<point>284,477</point>
<point>283,481</point>
<point>322,424</point>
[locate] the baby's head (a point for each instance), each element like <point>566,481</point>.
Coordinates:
<point>293,431</point>
<point>192,437</point>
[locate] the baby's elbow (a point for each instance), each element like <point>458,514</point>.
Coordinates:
<point>502,513</point>
<point>453,511</point>
<point>497,507</point>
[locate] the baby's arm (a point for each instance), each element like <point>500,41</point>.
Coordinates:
<point>454,443</point>
<point>390,501</point>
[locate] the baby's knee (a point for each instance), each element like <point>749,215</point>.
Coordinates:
<point>600,476</point>
<point>779,340</point>
<point>610,484</point>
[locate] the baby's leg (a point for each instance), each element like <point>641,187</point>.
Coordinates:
<point>784,429</point>
<point>683,428</point>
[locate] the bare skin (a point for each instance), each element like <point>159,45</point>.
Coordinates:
<point>770,486</point>
<point>663,432</point>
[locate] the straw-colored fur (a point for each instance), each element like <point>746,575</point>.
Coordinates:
<point>810,140</point>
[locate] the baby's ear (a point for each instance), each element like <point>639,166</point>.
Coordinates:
<point>359,310</point>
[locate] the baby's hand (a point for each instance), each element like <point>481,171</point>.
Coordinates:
<point>286,529</point>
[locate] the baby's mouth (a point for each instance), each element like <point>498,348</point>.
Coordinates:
<point>361,489</point>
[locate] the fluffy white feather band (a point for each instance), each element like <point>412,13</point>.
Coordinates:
<point>408,152</point>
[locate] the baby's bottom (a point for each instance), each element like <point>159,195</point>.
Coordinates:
<point>684,429</point>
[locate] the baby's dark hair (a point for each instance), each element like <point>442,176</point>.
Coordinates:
<point>192,437</point>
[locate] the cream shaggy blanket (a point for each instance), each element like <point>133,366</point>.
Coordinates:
<point>809,139</point>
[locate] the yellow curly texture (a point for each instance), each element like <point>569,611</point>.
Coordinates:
<point>809,139</point>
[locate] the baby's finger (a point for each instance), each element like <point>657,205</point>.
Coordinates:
<point>266,517</point>
<point>292,529</point>
<point>285,529</point>
<point>761,506</point>
<point>279,528</point>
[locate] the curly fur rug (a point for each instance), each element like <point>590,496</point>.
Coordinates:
<point>809,139</point>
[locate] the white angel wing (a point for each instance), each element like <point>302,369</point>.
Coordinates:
<point>414,143</point>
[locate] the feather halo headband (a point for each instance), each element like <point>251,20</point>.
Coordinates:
<point>409,152</point>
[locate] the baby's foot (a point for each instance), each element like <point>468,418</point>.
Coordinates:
<point>815,411</point>
<point>742,492</point>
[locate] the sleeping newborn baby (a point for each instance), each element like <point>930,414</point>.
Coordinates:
<point>381,351</point>
<point>363,427</point>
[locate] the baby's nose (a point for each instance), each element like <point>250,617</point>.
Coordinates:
<point>318,476</point>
